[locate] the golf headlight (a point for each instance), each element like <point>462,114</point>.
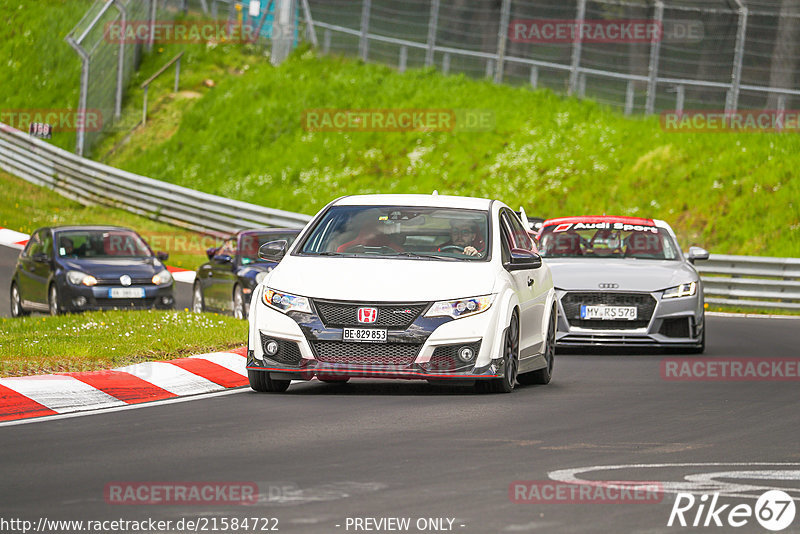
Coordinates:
<point>162,278</point>
<point>78,278</point>
<point>684,290</point>
<point>285,302</point>
<point>260,276</point>
<point>460,307</point>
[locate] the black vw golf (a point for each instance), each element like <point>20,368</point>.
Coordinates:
<point>226,282</point>
<point>78,268</point>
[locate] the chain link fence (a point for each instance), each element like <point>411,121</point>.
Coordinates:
<point>709,54</point>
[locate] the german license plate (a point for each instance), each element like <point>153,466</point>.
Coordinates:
<point>609,313</point>
<point>364,335</point>
<point>126,293</point>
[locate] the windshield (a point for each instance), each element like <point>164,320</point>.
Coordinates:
<point>609,241</point>
<point>101,244</point>
<point>249,244</point>
<point>401,231</point>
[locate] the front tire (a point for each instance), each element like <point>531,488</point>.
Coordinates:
<point>16,302</point>
<point>545,374</point>
<point>52,300</point>
<point>238,303</point>
<point>505,384</point>
<point>198,305</point>
<point>261,382</point>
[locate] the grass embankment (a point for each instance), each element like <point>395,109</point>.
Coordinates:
<point>40,70</point>
<point>243,139</point>
<point>102,340</point>
<point>26,207</point>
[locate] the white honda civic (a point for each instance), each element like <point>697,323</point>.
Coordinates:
<point>438,288</point>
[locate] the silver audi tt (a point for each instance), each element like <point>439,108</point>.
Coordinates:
<point>623,281</point>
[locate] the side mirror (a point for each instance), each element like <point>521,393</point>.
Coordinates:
<point>40,257</point>
<point>163,256</point>
<point>224,258</point>
<point>273,251</point>
<point>211,251</point>
<point>697,253</point>
<point>523,259</point>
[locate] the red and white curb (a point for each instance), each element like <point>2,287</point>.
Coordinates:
<point>63,393</point>
<point>18,240</point>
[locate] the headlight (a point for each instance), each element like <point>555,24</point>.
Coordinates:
<point>460,307</point>
<point>263,274</point>
<point>162,278</point>
<point>684,290</point>
<point>285,302</point>
<point>78,278</point>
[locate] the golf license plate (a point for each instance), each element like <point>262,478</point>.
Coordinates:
<point>609,313</point>
<point>364,335</point>
<point>126,293</point>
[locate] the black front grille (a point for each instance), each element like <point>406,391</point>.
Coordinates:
<point>115,281</point>
<point>393,354</point>
<point>110,304</point>
<point>444,358</point>
<point>678,327</point>
<point>288,351</point>
<point>572,301</point>
<point>395,315</point>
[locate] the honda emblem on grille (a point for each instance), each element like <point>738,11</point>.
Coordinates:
<point>367,315</point>
<point>608,286</point>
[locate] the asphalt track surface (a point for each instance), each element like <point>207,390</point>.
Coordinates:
<point>8,260</point>
<point>324,453</point>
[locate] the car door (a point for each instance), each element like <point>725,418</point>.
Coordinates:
<point>530,285</point>
<point>221,277</point>
<point>35,265</point>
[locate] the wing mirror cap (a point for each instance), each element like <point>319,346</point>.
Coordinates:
<point>523,259</point>
<point>273,250</point>
<point>697,253</point>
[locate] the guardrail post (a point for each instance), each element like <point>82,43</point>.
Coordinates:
<point>505,14</point>
<point>433,23</point>
<point>326,42</point>
<point>489,67</point>
<point>446,63</point>
<point>577,45</point>
<point>403,59</point>
<point>363,42</point>
<point>655,52</point>
<point>732,103</point>
<point>177,73</point>
<point>630,94</point>
<point>534,76</point>
<point>80,133</point>
<point>680,97</point>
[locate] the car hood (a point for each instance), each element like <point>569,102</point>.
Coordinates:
<point>109,267</point>
<point>630,274</point>
<point>381,280</point>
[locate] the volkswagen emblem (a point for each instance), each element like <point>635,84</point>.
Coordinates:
<point>125,280</point>
<point>608,285</point>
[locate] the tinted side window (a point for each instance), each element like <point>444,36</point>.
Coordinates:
<point>47,244</point>
<point>227,249</point>
<point>520,238</point>
<point>34,245</point>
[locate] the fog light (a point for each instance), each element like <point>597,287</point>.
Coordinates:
<point>466,354</point>
<point>166,300</point>
<point>79,302</point>
<point>271,347</point>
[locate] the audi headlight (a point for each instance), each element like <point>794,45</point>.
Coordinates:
<point>78,278</point>
<point>285,302</point>
<point>460,307</point>
<point>684,290</point>
<point>162,278</point>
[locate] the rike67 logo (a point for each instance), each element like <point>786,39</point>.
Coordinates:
<point>774,510</point>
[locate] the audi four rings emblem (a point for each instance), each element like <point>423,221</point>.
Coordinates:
<point>608,285</point>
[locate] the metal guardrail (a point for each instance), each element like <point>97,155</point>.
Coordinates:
<point>751,281</point>
<point>89,182</point>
